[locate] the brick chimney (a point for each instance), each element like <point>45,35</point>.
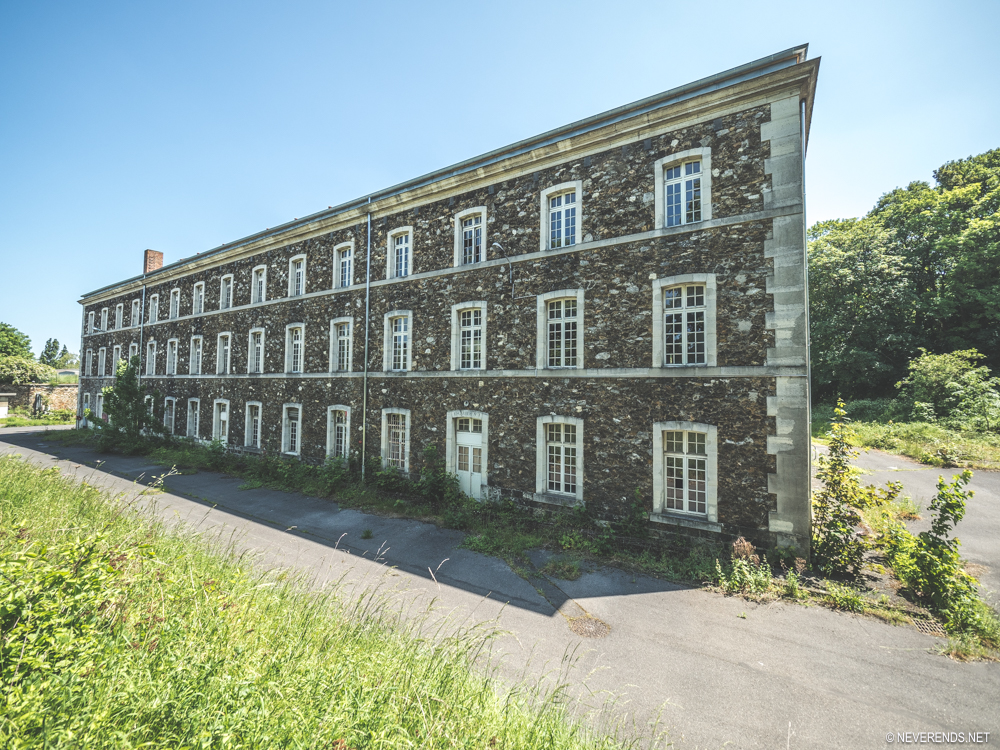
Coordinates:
<point>151,261</point>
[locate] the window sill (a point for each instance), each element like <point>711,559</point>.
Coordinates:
<point>689,522</point>
<point>550,498</point>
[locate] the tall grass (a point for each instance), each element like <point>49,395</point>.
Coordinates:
<point>190,647</point>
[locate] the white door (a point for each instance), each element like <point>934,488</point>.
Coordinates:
<point>469,456</point>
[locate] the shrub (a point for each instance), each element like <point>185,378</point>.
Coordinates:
<point>845,598</point>
<point>132,412</point>
<point>747,572</point>
<point>950,387</point>
<point>19,370</point>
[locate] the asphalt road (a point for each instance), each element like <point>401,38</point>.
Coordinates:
<point>715,671</point>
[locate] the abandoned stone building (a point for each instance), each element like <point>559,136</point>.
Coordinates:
<point>610,310</point>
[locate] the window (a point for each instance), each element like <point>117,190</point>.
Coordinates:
<point>560,329</point>
<point>194,406</point>
<point>90,363</point>
<point>175,303</point>
<point>172,346</point>
<point>341,344</point>
<point>223,353</point>
<point>104,320</point>
<point>194,364</point>
<point>295,348</point>
<point>470,236</point>
<point>151,358</point>
<point>169,410</point>
<point>198,299</point>
<point>684,320</point>
<point>251,437</point>
<point>291,429</point>
<point>467,448</point>
<point>683,188</point>
<point>468,336</point>
<point>100,361</point>
<point>561,211</point>
<point>559,457</point>
<point>99,405</point>
<point>343,261</point>
<point>399,264</point>
<point>396,439</point>
<point>396,331</point>
<point>338,431</point>
<point>259,291</point>
<point>220,421</point>
<point>255,353</point>
<point>226,292</point>
<point>135,319</point>
<point>116,356</point>
<point>685,469</point>
<point>86,404</point>
<point>119,316</point>
<point>154,308</point>
<point>297,276</point>
<point>133,351</point>
<point>90,322</point>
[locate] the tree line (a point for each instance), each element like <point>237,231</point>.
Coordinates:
<point>18,364</point>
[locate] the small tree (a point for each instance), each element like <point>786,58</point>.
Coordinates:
<point>132,412</point>
<point>50,353</point>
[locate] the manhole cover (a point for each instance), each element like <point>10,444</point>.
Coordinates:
<point>588,626</point>
<point>931,627</point>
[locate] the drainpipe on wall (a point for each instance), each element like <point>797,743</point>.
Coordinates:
<point>81,417</point>
<point>364,386</point>
<point>142,324</point>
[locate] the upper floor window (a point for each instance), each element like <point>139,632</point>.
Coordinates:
<point>343,260</point>
<point>468,336</point>
<point>560,329</point>
<point>154,308</point>
<point>338,431</point>
<point>291,429</point>
<point>685,468</point>
<point>397,357</point>
<point>683,188</point>
<point>90,322</point>
<point>297,276</point>
<point>89,370</point>
<point>223,353</point>
<point>561,211</point>
<point>226,292</point>
<point>119,316</point>
<point>101,355</point>
<point>116,356</point>
<point>294,348</point>
<point>198,299</point>
<point>194,364</point>
<point>470,236</point>
<point>135,319</point>
<point>172,357</point>
<point>399,253</point>
<point>341,343</point>
<point>684,320</point>
<point>133,351</point>
<point>255,352</point>
<point>151,358</point>
<point>559,446</point>
<point>175,303</point>
<point>104,320</point>
<point>259,285</point>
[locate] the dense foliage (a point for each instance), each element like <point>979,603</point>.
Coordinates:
<point>19,370</point>
<point>132,411</point>
<point>13,343</point>
<point>920,270</point>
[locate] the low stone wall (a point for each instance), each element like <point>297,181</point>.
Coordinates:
<point>54,396</point>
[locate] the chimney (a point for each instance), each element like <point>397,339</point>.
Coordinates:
<point>152,261</point>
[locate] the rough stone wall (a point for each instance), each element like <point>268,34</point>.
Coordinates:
<point>57,396</point>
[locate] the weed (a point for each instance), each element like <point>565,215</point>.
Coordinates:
<point>367,534</point>
<point>568,570</point>
<point>747,573</point>
<point>845,597</point>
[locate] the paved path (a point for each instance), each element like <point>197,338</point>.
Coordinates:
<point>783,676</point>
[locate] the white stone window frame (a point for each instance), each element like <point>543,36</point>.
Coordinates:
<point>89,371</point>
<point>711,433</point>
<point>170,428</point>
<point>387,340</point>
<point>154,308</point>
<point>99,405</point>
<point>174,310</point>
<point>224,356</point>
<point>711,341</point>
<point>451,440</point>
<point>248,427</point>
<point>291,274</point>
<point>552,192</point>
<point>456,333</point>
<point>253,280</point>
<point>90,323</point>
<point>177,355</point>
<point>116,355</point>
<point>331,435</point>
<point>286,430</point>
<point>460,235</point>
<point>542,331</point>
<point>217,422</point>
<point>659,191</point>
<point>104,319</point>
<point>150,358</point>
<point>335,344</point>
<point>250,352</point>
<point>288,348</point>
<point>390,255</point>
<point>542,491</point>
<point>101,362</point>
<point>201,355</point>
<point>133,351</point>
<point>385,436</point>
<point>86,406</point>
<point>197,419</point>
<point>222,292</point>
<point>338,280</point>
<point>136,317</point>
<point>198,298</point>
<point>119,316</point>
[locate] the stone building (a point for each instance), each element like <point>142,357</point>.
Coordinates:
<point>610,310</point>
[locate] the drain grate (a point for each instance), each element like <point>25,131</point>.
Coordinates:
<point>588,626</point>
<point>931,627</point>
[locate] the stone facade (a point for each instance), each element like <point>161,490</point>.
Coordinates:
<point>752,391</point>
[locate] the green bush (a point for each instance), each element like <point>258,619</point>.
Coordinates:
<point>951,388</point>
<point>845,598</point>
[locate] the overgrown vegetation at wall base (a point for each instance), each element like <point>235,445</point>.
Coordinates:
<point>117,634</point>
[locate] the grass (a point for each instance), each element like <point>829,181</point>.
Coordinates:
<point>21,417</point>
<point>158,639</point>
<point>567,569</point>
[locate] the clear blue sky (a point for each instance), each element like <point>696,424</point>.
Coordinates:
<point>179,125</point>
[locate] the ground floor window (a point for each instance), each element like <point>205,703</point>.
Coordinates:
<point>169,406</point>
<point>252,439</point>
<point>192,418</point>
<point>220,422</point>
<point>685,475</point>
<point>338,432</point>
<point>559,469</point>
<point>291,429</point>
<point>396,438</point>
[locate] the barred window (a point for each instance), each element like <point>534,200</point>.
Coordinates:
<point>562,333</point>
<point>684,325</point>
<point>561,449</point>
<point>396,440</point>
<point>685,471</point>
